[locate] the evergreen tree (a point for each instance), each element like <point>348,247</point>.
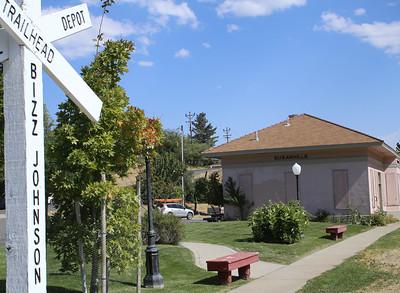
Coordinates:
<point>203,131</point>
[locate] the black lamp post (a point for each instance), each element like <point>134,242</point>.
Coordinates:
<point>296,168</point>
<point>153,278</point>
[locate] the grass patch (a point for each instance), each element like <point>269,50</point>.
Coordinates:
<point>238,235</point>
<point>176,265</point>
<point>376,269</point>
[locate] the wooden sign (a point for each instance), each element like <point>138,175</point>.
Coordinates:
<point>19,25</point>
<point>64,23</point>
<point>57,26</point>
<point>23,56</point>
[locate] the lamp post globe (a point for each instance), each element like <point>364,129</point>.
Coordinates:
<point>296,168</point>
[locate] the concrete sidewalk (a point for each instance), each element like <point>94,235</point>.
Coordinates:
<point>205,251</point>
<point>293,277</point>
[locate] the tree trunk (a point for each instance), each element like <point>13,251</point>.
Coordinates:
<point>103,242</point>
<point>95,259</point>
<point>95,268</point>
<point>82,260</point>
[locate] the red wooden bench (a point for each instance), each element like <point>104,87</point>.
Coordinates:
<point>226,264</point>
<point>336,231</point>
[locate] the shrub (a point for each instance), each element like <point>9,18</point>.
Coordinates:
<point>279,222</point>
<point>379,218</point>
<point>390,219</point>
<point>169,229</point>
<point>321,215</point>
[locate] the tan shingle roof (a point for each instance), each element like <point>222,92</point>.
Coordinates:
<point>298,131</point>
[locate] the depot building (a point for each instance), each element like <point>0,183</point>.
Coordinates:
<point>341,168</point>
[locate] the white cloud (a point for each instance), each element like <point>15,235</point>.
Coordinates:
<point>256,7</point>
<point>232,27</point>
<point>142,43</point>
<point>83,43</point>
<point>382,35</point>
<point>206,45</point>
<point>360,12</point>
<point>182,53</point>
<point>162,10</point>
<point>146,63</point>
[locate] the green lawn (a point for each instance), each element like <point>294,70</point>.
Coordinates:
<point>237,235</point>
<point>376,269</point>
<point>176,266</point>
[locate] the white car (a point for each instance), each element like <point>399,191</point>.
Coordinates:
<point>177,210</point>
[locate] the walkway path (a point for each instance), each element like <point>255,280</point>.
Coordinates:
<point>294,276</point>
<point>205,251</point>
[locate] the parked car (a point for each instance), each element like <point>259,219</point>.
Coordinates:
<point>177,210</point>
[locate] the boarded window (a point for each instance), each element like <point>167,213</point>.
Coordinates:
<point>392,189</point>
<point>341,189</point>
<point>290,186</point>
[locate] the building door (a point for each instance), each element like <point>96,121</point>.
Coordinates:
<point>290,186</point>
<point>376,190</point>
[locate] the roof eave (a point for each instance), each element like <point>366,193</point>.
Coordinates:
<point>292,149</point>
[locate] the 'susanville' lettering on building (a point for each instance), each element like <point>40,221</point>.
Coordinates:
<point>28,30</point>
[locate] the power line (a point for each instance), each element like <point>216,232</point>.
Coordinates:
<point>227,133</point>
<point>190,117</point>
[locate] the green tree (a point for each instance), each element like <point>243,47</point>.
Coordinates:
<point>203,131</point>
<point>166,176</point>
<point>171,143</point>
<point>215,194</point>
<point>236,197</point>
<point>201,189</point>
<point>82,152</point>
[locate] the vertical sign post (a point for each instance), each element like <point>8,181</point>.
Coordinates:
<point>24,167</point>
<point>23,56</point>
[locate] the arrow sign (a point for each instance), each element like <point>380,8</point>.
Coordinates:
<point>58,25</point>
<point>64,23</point>
<point>24,31</point>
<point>3,45</point>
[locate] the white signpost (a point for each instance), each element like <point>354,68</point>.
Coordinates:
<point>22,57</point>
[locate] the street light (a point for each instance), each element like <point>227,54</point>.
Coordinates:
<point>296,168</point>
<point>153,278</point>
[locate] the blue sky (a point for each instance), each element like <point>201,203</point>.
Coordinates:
<point>250,63</point>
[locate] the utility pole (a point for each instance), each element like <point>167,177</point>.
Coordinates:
<point>190,117</point>
<point>227,133</point>
<point>183,165</point>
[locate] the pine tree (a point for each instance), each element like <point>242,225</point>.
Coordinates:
<point>203,131</point>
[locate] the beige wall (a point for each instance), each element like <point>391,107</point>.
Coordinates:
<point>272,180</point>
